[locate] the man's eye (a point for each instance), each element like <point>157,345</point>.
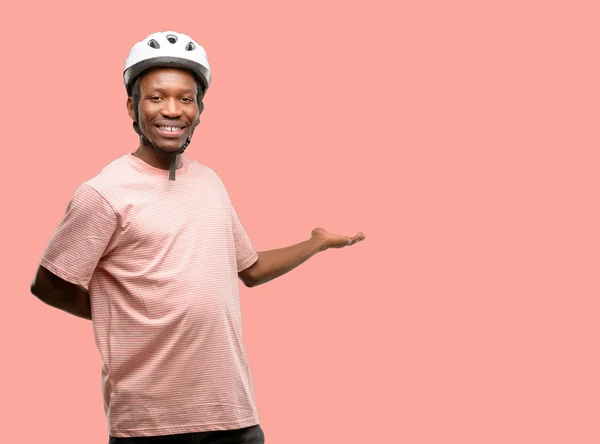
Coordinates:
<point>155,98</point>
<point>187,99</point>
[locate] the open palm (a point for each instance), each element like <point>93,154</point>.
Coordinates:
<point>330,240</point>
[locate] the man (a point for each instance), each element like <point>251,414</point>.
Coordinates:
<point>151,250</point>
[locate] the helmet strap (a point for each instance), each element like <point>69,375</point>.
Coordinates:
<point>170,155</point>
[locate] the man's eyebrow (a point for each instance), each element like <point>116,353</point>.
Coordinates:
<point>162,91</point>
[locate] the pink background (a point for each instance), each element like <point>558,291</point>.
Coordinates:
<point>460,137</point>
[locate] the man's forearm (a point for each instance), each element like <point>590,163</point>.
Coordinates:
<point>73,300</point>
<point>274,263</point>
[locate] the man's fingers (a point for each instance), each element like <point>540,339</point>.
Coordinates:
<point>356,238</point>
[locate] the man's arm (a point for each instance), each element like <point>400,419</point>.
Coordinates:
<point>58,293</point>
<point>74,251</point>
<point>274,263</point>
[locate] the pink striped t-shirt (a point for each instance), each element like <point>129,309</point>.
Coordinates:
<point>160,260</point>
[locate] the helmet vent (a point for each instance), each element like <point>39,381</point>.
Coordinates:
<point>172,38</point>
<point>190,47</point>
<point>153,44</point>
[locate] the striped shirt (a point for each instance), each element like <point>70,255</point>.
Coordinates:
<point>160,260</point>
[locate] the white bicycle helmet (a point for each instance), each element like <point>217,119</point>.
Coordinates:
<point>167,49</point>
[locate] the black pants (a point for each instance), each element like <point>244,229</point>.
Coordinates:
<point>248,435</point>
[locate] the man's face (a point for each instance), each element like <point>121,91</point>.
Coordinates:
<point>168,108</point>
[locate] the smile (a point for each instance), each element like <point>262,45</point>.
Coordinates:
<point>169,128</point>
<point>170,131</point>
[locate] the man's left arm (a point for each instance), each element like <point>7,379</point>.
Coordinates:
<point>274,263</point>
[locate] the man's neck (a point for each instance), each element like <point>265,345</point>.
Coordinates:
<point>155,160</point>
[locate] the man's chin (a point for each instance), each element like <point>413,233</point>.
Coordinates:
<point>169,144</point>
<point>170,148</point>
<point>167,150</point>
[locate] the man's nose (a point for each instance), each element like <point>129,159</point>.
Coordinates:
<point>171,108</point>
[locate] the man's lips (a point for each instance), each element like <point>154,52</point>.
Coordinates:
<point>170,131</point>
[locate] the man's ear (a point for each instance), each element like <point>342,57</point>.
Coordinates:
<point>130,108</point>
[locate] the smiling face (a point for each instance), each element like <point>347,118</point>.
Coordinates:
<point>168,109</point>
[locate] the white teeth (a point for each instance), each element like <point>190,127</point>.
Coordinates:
<point>169,128</point>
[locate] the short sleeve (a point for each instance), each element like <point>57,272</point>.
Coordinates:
<point>244,251</point>
<point>82,237</point>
